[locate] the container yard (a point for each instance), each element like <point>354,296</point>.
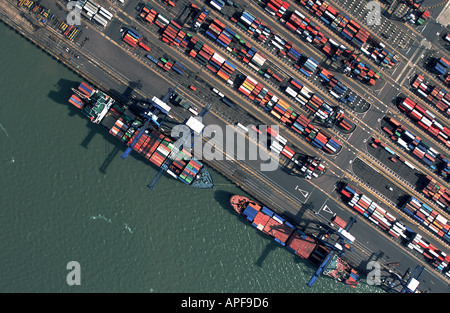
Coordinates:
<point>305,66</point>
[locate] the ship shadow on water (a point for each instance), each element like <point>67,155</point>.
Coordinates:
<point>223,198</point>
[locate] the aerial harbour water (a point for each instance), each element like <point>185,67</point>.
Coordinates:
<point>60,203</point>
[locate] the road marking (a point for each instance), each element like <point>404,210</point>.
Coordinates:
<point>303,192</point>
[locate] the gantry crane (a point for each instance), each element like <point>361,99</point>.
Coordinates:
<point>157,108</point>
<point>194,128</point>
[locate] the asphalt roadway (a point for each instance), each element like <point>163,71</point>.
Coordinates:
<point>103,63</point>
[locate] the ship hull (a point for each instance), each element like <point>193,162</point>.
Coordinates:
<point>152,145</point>
<point>305,246</point>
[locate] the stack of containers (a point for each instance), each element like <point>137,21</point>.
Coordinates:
<point>165,64</point>
<point>439,259</point>
<point>441,66</point>
<point>423,17</point>
<point>190,171</point>
<point>433,94</point>
<point>132,37</point>
<point>173,34</point>
<point>326,75</point>
<point>161,21</point>
<point>161,153</point>
<point>201,18</point>
<point>215,62</point>
<point>257,61</point>
<point>436,192</point>
<point>225,37</point>
<point>148,14</point>
<point>300,124</point>
<point>214,29</point>
<point>217,4</point>
<point>383,57</point>
<point>346,124</point>
<point>179,68</point>
<point>277,7</point>
<point>447,79</point>
<point>364,72</point>
<point>91,8</point>
<point>251,211</point>
<point>86,89</point>
<point>155,139</point>
<point>428,217</point>
<point>178,164</point>
<point>119,128</point>
<point>246,21</point>
<point>418,147</point>
<point>226,71</point>
<point>324,111</point>
<point>417,81</point>
<point>294,54</point>
<point>425,119</point>
<point>373,212</point>
<point>309,66</point>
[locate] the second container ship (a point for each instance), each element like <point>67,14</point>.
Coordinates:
<point>125,125</point>
<point>305,246</point>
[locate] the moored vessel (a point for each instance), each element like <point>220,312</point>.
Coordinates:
<point>295,240</point>
<point>153,145</point>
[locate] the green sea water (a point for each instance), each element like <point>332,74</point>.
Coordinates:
<point>59,202</point>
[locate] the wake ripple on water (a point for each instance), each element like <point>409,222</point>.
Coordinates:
<point>102,217</point>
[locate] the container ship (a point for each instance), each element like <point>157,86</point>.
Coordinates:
<point>125,125</point>
<point>305,246</point>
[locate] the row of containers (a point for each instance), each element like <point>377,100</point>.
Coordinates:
<point>95,12</point>
<point>233,43</point>
<point>350,30</point>
<point>134,39</point>
<point>439,66</point>
<point>420,149</point>
<point>255,60</point>
<point>437,193</point>
<point>286,234</point>
<point>412,143</point>
<point>317,105</point>
<point>425,120</point>
<point>337,89</point>
<point>69,31</point>
<point>283,112</point>
<point>310,166</point>
<point>428,217</point>
<point>154,146</point>
<point>303,26</point>
<point>389,223</point>
<point>174,35</point>
<point>213,61</point>
<point>434,95</point>
<point>168,64</point>
<point>151,16</point>
<point>277,7</point>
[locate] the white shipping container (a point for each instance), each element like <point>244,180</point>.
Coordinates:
<point>426,121</point>
<point>100,20</point>
<point>106,13</point>
<point>217,57</point>
<point>281,139</point>
<point>291,92</point>
<point>299,100</point>
<point>253,66</point>
<point>252,80</point>
<point>215,5</point>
